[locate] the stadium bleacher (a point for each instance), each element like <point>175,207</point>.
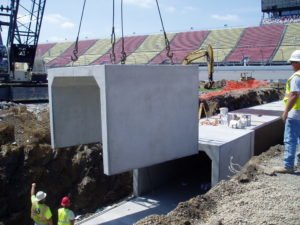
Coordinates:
<point>131,44</point>
<point>282,20</point>
<point>43,48</point>
<point>150,48</point>
<point>290,42</point>
<point>56,50</point>
<point>257,44</point>
<point>222,41</point>
<point>65,58</point>
<point>101,47</point>
<point>181,45</point>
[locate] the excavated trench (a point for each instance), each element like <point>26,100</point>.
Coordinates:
<point>26,156</point>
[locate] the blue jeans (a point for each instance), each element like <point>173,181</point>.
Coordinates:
<point>291,136</point>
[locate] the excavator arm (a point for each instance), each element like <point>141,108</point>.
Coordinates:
<point>209,54</point>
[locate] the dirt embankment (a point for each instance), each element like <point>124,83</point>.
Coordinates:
<point>250,198</point>
<point>242,99</point>
<point>26,157</point>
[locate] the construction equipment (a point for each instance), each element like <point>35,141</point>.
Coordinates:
<point>246,76</point>
<point>22,76</point>
<point>209,54</point>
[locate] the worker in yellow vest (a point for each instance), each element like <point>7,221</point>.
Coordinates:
<point>291,116</point>
<point>65,215</point>
<point>40,212</point>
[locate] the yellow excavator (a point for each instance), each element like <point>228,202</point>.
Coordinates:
<point>209,54</point>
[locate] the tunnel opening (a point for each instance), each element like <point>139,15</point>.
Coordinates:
<point>190,174</point>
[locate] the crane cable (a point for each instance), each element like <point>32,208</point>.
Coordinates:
<point>74,57</point>
<point>123,53</point>
<point>113,37</point>
<point>167,42</point>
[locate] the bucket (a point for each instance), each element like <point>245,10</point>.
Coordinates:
<point>248,118</point>
<point>223,111</point>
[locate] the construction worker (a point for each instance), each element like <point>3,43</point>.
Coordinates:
<point>65,215</point>
<point>40,212</point>
<point>291,116</point>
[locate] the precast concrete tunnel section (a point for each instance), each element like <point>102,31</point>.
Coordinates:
<point>146,117</point>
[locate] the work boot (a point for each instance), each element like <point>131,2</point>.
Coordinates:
<point>281,169</point>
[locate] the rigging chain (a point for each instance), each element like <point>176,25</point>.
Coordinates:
<point>167,42</point>
<point>74,57</point>
<point>113,38</point>
<point>123,53</point>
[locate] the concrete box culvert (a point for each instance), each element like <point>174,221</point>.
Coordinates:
<point>143,115</point>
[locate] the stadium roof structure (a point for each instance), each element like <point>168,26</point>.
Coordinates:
<point>279,5</point>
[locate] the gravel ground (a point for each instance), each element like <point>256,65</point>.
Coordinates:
<point>268,200</point>
<point>250,198</point>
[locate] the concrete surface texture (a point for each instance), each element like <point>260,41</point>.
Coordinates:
<point>142,114</point>
<point>222,143</point>
<point>159,202</point>
<point>258,72</point>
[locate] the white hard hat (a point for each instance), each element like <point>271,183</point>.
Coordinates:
<point>40,195</point>
<point>295,57</point>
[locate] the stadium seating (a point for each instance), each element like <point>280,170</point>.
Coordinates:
<point>258,44</point>
<point>43,48</point>
<point>290,42</point>
<point>150,48</point>
<point>65,58</point>
<point>56,50</point>
<point>181,45</point>
<point>131,44</point>
<point>222,41</point>
<point>101,47</point>
<point>231,46</point>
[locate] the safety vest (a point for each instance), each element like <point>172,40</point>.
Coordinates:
<point>288,91</point>
<point>38,213</point>
<point>63,216</point>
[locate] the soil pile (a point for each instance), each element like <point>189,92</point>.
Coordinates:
<point>252,197</point>
<point>26,157</point>
<point>241,99</point>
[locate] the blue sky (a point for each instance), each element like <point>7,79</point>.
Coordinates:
<point>61,19</point>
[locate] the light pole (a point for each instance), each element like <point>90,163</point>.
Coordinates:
<point>262,56</point>
<point>282,58</point>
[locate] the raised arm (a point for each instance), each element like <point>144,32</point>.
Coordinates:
<point>32,192</point>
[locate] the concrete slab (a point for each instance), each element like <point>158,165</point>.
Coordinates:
<point>159,202</point>
<point>267,124</point>
<point>272,109</point>
<point>143,114</point>
<point>221,143</point>
<point>274,106</point>
<point>224,145</point>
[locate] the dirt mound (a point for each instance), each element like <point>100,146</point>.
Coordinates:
<point>230,87</point>
<point>26,157</point>
<point>7,133</point>
<point>261,200</point>
<point>241,99</point>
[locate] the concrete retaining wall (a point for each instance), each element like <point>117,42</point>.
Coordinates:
<point>258,72</point>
